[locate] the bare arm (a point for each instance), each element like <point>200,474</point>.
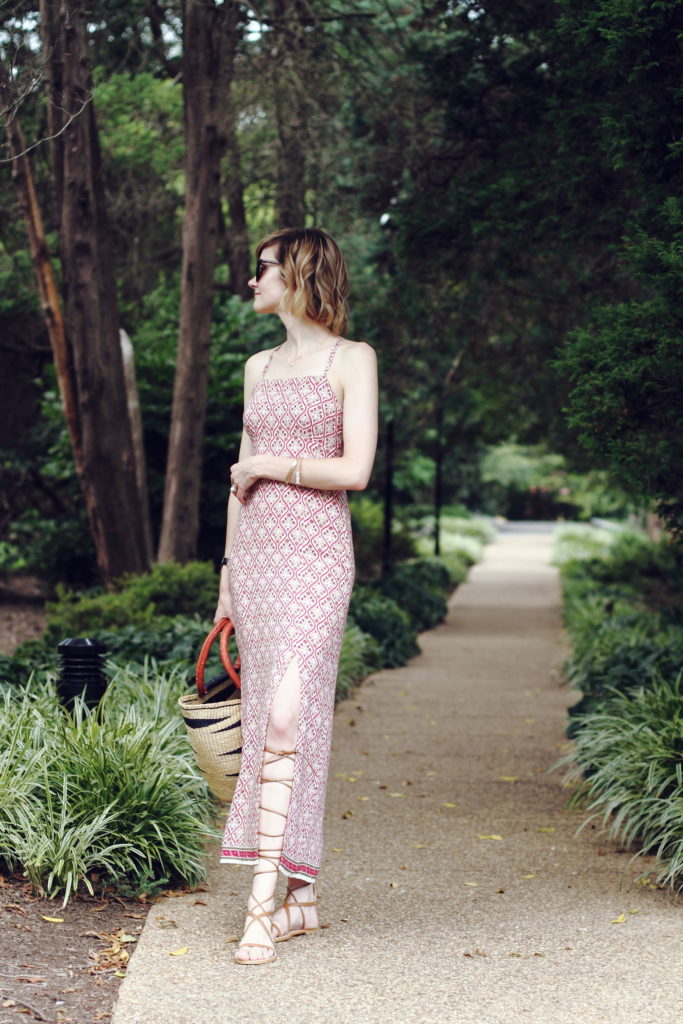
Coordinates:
<point>357,371</point>
<point>234,505</point>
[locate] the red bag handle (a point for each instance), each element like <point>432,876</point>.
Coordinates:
<point>224,628</point>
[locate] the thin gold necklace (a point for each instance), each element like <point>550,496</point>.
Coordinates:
<point>303,354</point>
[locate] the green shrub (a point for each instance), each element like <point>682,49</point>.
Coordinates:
<point>367,517</point>
<point>479,527</point>
<point>632,754</point>
<point>425,606</point>
<point>170,590</point>
<point>115,791</point>
<point>360,655</point>
<point>390,626</point>
<point>431,573</point>
<point>578,541</point>
<point>626,653</point>
<point>469,549</point>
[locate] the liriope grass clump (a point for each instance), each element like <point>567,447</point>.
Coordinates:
<point>628,761</point>
<point>112,794</point>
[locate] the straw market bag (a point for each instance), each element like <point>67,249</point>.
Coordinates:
<point>213,717</point>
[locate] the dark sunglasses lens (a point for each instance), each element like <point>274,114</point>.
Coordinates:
<point>260,267</point>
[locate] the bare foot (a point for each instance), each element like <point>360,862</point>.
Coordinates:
<point>298,913</point>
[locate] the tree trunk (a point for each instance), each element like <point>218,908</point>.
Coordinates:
<point>135,419</point>
<point>42,265</point>
<point>209,37</point>
<point>108,479</point>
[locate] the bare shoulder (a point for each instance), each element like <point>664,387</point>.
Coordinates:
<point>357,356</point>
<point>256,362</point>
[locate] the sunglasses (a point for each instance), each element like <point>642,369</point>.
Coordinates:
<point>261,267</point>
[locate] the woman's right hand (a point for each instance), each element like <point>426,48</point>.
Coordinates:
<point>224,609</point>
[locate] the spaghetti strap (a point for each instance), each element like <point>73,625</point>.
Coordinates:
<point>333,352</point>
<point>270,358</point>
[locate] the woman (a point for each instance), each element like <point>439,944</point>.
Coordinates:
<point>310,432</point>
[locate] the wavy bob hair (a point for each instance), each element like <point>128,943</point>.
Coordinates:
<point>315,275</point>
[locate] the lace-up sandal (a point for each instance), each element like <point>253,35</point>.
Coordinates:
<point>257,918</point>
<point>271,858</point>
<point>290,931</point>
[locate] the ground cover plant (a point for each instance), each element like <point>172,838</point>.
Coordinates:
<point>623,616</point>
<point>113,791</point>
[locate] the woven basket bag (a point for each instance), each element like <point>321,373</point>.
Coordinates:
<point>213,717</point>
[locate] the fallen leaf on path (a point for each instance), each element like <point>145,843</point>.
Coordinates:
<point>347,814</point>
<point>179,952</point>
<point>98,910</point>
<point>493,836</point>
<point>393,885</point>
<point>363,798</point>
<point>397,794</point>
<point>119,974</point>
<point>448,805</point>
<point>200,903</point>
<point>508,778</point>
<point>472,884</point>
<point>53,920</point>
<point>30,980</point>
<point>431,773</point>
<point>419,846</point>
<point>633,911</point>
<point>138,917</point>
<point>14,908</point>
<point>477,952</point>
<point>546,828</point>
<point>529,876</point>
<point>337,849</point>
<point>620,919</point>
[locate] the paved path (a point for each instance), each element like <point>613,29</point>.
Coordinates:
<point>455,888</point>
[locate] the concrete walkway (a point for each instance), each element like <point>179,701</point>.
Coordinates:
<point>454,887</point>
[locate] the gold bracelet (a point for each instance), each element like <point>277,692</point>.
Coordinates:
<point>288,478</point>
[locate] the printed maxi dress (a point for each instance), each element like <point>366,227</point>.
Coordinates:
<point>291,571</point>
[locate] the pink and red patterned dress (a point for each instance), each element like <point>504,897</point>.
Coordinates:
<point>291,571</point>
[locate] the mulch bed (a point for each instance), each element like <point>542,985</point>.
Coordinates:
<point>65,965</point>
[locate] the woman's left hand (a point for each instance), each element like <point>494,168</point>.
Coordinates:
<point>242,476</point>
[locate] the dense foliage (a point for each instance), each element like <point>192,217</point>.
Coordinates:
<point>494,172</point>
<point>624,614</point>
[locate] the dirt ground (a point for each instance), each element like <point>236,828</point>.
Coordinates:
<point>62,965</point>
<point>21,611</point>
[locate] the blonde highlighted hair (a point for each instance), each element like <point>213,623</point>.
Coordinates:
<point>315,275</point>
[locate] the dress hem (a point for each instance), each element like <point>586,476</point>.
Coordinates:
<point>301,871</point>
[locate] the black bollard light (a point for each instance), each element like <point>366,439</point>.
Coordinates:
<point>81,672</point>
